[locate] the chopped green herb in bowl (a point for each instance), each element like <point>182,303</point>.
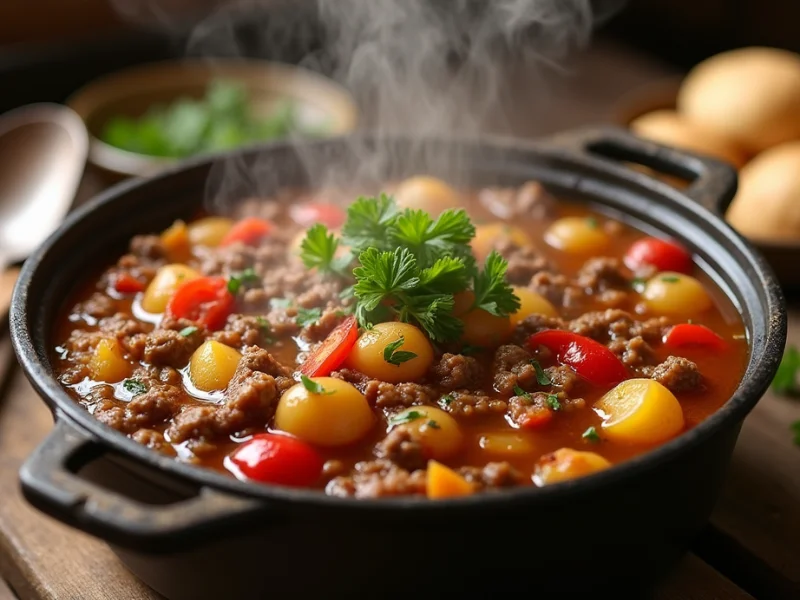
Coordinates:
<point>221,120</point>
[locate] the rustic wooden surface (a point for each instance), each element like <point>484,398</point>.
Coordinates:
<point>751,549</point>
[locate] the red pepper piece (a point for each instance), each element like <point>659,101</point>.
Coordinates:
<point>588,358</point>
<point>689,334</point>
<point>205,300</point>
<point>333,351</point>
<point>248,231</point>
<point>662,254</point>
<point>126,283</point>
<point>278,458</point>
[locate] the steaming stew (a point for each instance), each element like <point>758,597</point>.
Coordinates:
<point>433,342</point>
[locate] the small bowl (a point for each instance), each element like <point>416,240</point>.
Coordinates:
<point>133,91</point>
<point>662,94</point>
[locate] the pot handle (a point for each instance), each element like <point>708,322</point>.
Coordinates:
<point>52,485</point>
<point>713,182</point>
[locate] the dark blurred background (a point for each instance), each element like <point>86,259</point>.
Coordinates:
<point>49,48</point>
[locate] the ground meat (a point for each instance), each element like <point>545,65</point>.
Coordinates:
<point>97,306</point>
<point>320,329</point>
<point>350,376</point>
<point>402,446</point>
<point>493,475</point>
<point>258,359</point>
<point>122,325</point>
<point>193,422</point>
<point>153,407</point>
<point>523,263</point>
<point>512,367</point>
<point>531,201</point>
<point>321,293</point>
<point>111,415</point>
<point>168,347</point>
<point>148,246</point>
<point>523,409</point>
<point>601,274</point>
<point>557,289</point>
<point>389,395</point>
<point>241,330</point>
<point>534,324</point>
<point>253,392</point>
<point>603,325</point>
<point>456,371</point>
<point>612,298</point>
<point>467,404</point>
<point>677,374</point>
<point>153,439</point>
<point>563,377</point>
<point>377,479</point>
<point>633,352</point>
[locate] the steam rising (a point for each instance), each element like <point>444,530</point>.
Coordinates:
<point>418,68</point>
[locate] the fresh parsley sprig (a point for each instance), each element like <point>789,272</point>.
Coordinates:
<point>394,356</point>
<point>408,266</point>
<point>318,251</point>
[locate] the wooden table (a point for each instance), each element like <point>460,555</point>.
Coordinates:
<point>751,548</point>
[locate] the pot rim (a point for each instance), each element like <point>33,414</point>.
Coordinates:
<point>765,354</point>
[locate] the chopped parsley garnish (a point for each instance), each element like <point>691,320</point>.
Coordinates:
<point>408,266</point>
<point>187,331</point>
<point>280,303</point>
<point>263,323</point>
<point>396,357</point>
<point>669,279</point>
<point>592,222</point>
<point>591,435</point>
<point>470,350</point>
<point>318,251</point>
<point>446,400</point>
<point>314,387</point>
<point>541,376</point>
<point>411,415</point>
<point>522,393</point>
<point>433,424</point>
<point>238,279</point>
<point>308,316</point>
<point>785,381</point>
<point>552,402</point>
<point>638,283</point>
<point>796,430</point>
<point>134,387</point>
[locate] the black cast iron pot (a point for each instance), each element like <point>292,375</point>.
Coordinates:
<point>191,533</point>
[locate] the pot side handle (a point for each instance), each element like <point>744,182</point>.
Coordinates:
<point>52,485</point>
<point>712,182</point>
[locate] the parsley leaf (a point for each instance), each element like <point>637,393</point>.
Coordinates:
<point>314,387</point>
<point>134,386</point>
<point>407,417</point>
<point>541,376</point>
<point>307,316</point>
<point>492,292</point>
<point>396,357</point>
<point>433,424</point>
<point>238,279</point>
<point>552,402</point>
<point>445,400</point>
<point>795,427</point>
<point>318,250</point>
<point>187,331</point>
<point>367,222</point>
<point>669,279</point>
<point>785,381</point>
<point>591,435</point>
<point>279,303</point>
<point>470,350</point>
<point>449,235</point>
<point>522,393</point>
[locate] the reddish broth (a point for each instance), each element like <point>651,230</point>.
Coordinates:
<point>721,371</point>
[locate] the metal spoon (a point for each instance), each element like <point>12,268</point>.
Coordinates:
<point>43,149</point>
